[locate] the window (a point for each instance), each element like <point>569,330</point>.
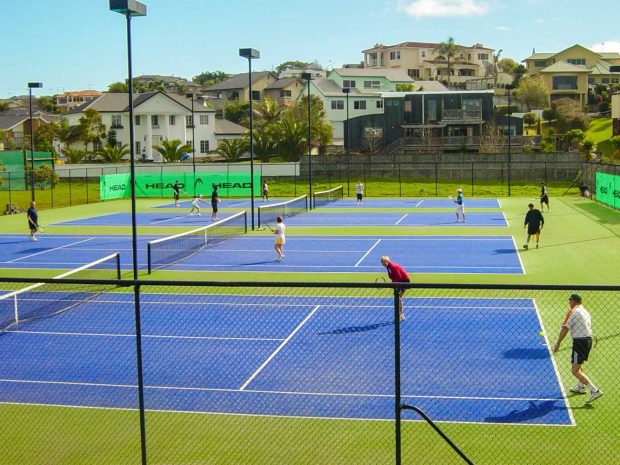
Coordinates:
<point>172,120</point>
<point>372,84</point>
<point>155,121</point>
<point>117,121</point>
<point>347,84</point>
<point>414,73</point>
<point>256,95</point>
<point>285,93</point>
<point>234,95</point>
<point>483,56</point>
<point>577,61</point>
<point>204,146</point>
<point>379,104</point>
<point>359,104</point>
<point>540,63</point>
<point>204,119</point>
<point>138,147</point>
<point>591,81</point>
<point>190,143</point>
<point>469,57</point>
<point>136,120</point>
<point>564,82</point>
<point>97,145</point>
<point>395,55</point>
<point>337,104</point>
<point>423,54</point>
<point>615,80</point>
<point>605,80</point>
<point>189,121</point>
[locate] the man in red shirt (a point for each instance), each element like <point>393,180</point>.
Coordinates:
<point>398,275</point>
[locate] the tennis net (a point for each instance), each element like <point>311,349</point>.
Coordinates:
<point>267,214</point>
<point>42,300</point>
<point>324,197</point>
<point>173,249</point>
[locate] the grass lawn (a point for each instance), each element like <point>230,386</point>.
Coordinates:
<point>580,246</point>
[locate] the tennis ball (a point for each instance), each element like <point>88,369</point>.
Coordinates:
<point>541,334</point>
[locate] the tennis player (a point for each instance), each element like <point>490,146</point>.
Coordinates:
<point>359,192</point>
<point>33,220</point>
<point>544,196</point>
<point>280,238</point>
<point>265,191</point>
<point>579,322</point>
<point>195,205</point>
<point>398,275</point>
<point>460,206</point>
<point>176,193</point>
<point>534,222</point>
<point>215,199</point>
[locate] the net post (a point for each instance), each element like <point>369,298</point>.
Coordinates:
<point>149,259</point>
<point>245,220</point>
<point>397,391</point>
<point>118,266</point>
<point>15,309</point>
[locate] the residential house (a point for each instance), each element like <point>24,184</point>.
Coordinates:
<point>237,88</point>
<point>16,126</point>
<point>422,60</point>
<point>285,91</point>
<point>570,72</point>
<point>317,73</point>
<point>68,100</point>
<point>166,83</point>
<point>157,116</point>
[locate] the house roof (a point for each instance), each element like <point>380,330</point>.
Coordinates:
<point>330,89</point>
<point>11,118</point>
<point>610,55</point>
<point>390,74</point>
<point>434,86</point>
<point>540,56</point>
<point>117,102</point>
<point>281,83</point>
<point>240,81</point>
<point>79,93</point>
<point>565,67</point>
<point>224,127</point>
<point>422,45</point>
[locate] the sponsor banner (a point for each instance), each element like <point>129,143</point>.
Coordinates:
<point>608,189</point>
<point>114,186</point>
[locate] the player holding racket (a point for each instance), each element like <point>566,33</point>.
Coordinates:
<point>398,275</point>
<point>280,240</point>
<point>534,222</point>
<point>215,199</point>
<point>33,220</point>
<point>195,205</point>
<point>175,192</point>
<point>460,205</point>
<point>579,322</point>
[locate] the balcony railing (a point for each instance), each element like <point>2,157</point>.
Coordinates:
<point>462,115</point>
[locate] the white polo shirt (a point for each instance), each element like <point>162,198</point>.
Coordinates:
<point>578,322</point>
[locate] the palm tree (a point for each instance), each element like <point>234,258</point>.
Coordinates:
<point>172,150</point>
<point>232,149</point>
<point>292,138</point>
<point>268,111</point>
<point>114,153</point>
<point>264,143</point>
<point>447,51</point>
<point>74,155</point>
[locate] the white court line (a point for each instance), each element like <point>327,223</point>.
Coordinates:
<point>148,336</point>
<point>366,254</point>
<point>275,352</point>
<point>401,218</point>
<point>166,220</point>
<point>518,254</point>
<point>418,204</point>
<point>506,219</point>
<point>50,250</point>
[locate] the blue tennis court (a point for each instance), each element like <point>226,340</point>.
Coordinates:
<point>422,218</point>
<point>303,356</point>
<point>368,202</point>
<point>148,219</point>
<point>323,254</point>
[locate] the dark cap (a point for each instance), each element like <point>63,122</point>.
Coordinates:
<point>576,297</point>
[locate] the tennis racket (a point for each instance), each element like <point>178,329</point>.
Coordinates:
<point>381,279</point>
<point>40,228</point>
<point>450,197</point>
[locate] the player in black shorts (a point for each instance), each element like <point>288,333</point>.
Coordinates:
<point>544,196</point>
<point>534,222</point>
<point>175,192</point>
<point>215,199</point>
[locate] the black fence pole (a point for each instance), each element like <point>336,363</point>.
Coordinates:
<point>70,187</point>
<point>436,180</point>
<point>397,392</point>
<point>472,178</point>
<point>400,183</point>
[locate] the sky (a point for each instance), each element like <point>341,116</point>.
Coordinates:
<point>80,44</point>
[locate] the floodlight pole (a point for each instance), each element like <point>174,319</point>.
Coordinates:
<point>193,142</point>
<point>347,91</point>
<point>32,85</point>
<point>308,77</point>
<point>251,54</point>
<point>509,88</point>
<point>129,8</point>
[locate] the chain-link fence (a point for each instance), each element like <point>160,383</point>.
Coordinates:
<point>323,373</point>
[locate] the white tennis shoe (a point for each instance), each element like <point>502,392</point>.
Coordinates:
<point>594,395</point>
<point>579,389</point>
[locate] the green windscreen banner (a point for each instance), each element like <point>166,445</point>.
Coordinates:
<point>115,186</point>
<point>608,189</point>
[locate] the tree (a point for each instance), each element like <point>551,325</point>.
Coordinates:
<point>1,171</point>
<point>507,65</point>
<point>293,64</point>
<point>569,115</point>
<point>404,87</point>
<point>237,112</point>
<point>268,112</point>
<point>114,153</point>
<point>91,128</point>
<point>447,51</point>
<point>232,149</point>
<point>530,119</point>
<point>518,72</point>
<point>46,103</point>
<point>291,137</point>
<point>574,137</point>
<point>532,92</point>
<point>118,87</point>
<point>74,156</point>
<point>548,114</point>
<point>111,137</point>
<point>587,148</point>
<point>172,150</point>
<point>264,143</point>
<point>208,78</point>
<point>491,138</point>
<point>45,175</point>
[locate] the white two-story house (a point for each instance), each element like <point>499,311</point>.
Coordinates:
<point>158,116</point>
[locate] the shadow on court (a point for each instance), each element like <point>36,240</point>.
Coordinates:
<point>533,411</point>
<point>527,354</point>
<point>358,329</point>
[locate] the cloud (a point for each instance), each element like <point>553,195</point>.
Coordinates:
<point>440,8</point>
<point>502,28</point>
<point>607,46</point>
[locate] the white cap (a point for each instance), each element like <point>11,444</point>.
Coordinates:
<point>459,190</point>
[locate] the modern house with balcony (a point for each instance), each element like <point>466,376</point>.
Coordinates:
<point>15,124</point>
<point>570,72</point>
<point>68,100</point>
<point>285,91</point>
<point>237,88</point>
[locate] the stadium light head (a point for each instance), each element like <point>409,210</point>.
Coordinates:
<point>35,85</point>
<point>128,7</point>
<point>249,53</point>
<point>346,90</point>
<point>306,76</point>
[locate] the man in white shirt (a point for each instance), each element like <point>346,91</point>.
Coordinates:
<point>359,192</point>
<point>280,238</point>
<point>579,322</point>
